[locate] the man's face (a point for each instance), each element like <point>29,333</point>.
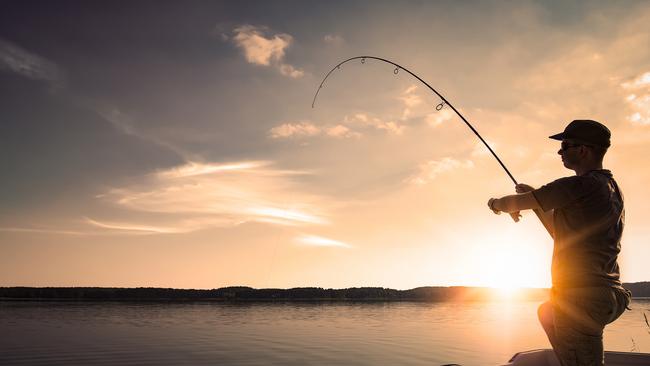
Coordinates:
<point>570,153</point>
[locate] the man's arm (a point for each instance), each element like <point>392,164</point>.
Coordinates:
<point>515,202</point>
<point>523,201</point>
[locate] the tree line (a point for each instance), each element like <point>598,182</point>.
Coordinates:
<point>243,293</point>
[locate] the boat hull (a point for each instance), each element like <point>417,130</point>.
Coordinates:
<point>546,357</point>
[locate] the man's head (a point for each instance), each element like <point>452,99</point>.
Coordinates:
<point>584,144</point>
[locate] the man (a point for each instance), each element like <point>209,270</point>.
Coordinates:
<point>585,216</point>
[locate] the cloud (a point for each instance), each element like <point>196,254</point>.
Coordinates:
<point>263,50</point>
<point>642,81</point>
<point>192,168</point>
<point>15,59</point>
<point>431,169</point>
<point>118,120</point>
<point>390,126</point>
<point>333,39</point>
<point>126,125</point>
<point>641,107</point>
<point>143,229</point>
<point>98,228</point>
<point>409,97</point>
<point>290,71</point>
<point>308,129</point>
<point>639,99</point>
<point>437,118</point>
<point>480,149</point>
<point>410,100</point>
<point>363,120</point>
<point>40,231</point>
<point>20,61</point>
<point>341,131</point>
<point>319,241</point>
<point>257,48</point>
<point>200,195</point>
<point>360,117</point>
<point>284,216</point>
<point>300,129</point>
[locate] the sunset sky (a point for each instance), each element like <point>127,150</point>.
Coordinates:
<point>173,144</point>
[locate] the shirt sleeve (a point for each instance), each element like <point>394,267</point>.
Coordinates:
<point>562,192</point>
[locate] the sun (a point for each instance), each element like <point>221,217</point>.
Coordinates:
<point>506,291</point>
<point>511,262</point>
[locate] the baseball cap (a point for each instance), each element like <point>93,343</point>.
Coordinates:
<point>585,131</point>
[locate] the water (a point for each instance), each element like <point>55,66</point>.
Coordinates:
<point>488,333</point>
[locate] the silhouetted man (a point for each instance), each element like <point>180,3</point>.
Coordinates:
<point>585,216</point>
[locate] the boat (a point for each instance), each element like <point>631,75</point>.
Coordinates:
<point>546,357</point>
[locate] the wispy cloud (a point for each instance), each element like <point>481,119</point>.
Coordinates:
<point>125,124</point>
<point>290,71</point>
<point>390,126</point>
<point>20,61</point>
<point>364,120</point>
<point>298,129</point>
<point>341,131</point>
<point>308,129</point>
<point>480,149</point>
<point>439,117</point>
<point>319,241</point>
<point>428,171</point>
<point>350,127</point>
<point>639,99</point>
<point>641,81</point>
<point>410,99</point>
<point>41,231</point>
<point>117,119</point>
<point>333,39</point>
<point>144,229</point>
<point>285,216</point>
<point>193,168</point>
<point>200,195</point>
<point>265,50</point>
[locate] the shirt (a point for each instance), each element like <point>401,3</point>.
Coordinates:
<point>588,219</point>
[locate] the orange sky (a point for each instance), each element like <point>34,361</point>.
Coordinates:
<point>208,167</point>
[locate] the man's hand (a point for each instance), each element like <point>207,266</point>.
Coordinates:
<point>523,188</point>
<point>491,204</point>
<point>545,217</point>
<point>515,216</point>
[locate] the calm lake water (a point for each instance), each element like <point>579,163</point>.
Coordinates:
<point>487,333</point>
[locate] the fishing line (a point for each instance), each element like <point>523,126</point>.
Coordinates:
<point>439,107</point>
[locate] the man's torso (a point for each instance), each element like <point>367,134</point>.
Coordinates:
<point>588,222</point>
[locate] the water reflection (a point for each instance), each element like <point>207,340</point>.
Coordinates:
<point>480,333</point>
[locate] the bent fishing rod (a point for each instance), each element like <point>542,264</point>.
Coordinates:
<point>440,105</point>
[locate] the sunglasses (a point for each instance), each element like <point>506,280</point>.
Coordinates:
<point>567,145</point>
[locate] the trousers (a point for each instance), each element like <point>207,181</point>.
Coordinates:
<point>574,320</point>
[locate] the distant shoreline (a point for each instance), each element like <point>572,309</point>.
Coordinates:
<point>639,290</point>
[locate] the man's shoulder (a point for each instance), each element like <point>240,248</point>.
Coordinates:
<point>564,191</point>
<point>590,179</point>
<point>573,181</point>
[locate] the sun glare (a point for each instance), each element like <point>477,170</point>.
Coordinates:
<point>506,291</point>
<point>510,262</point>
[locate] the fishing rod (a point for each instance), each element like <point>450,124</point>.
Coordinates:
<point>440,105</point>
